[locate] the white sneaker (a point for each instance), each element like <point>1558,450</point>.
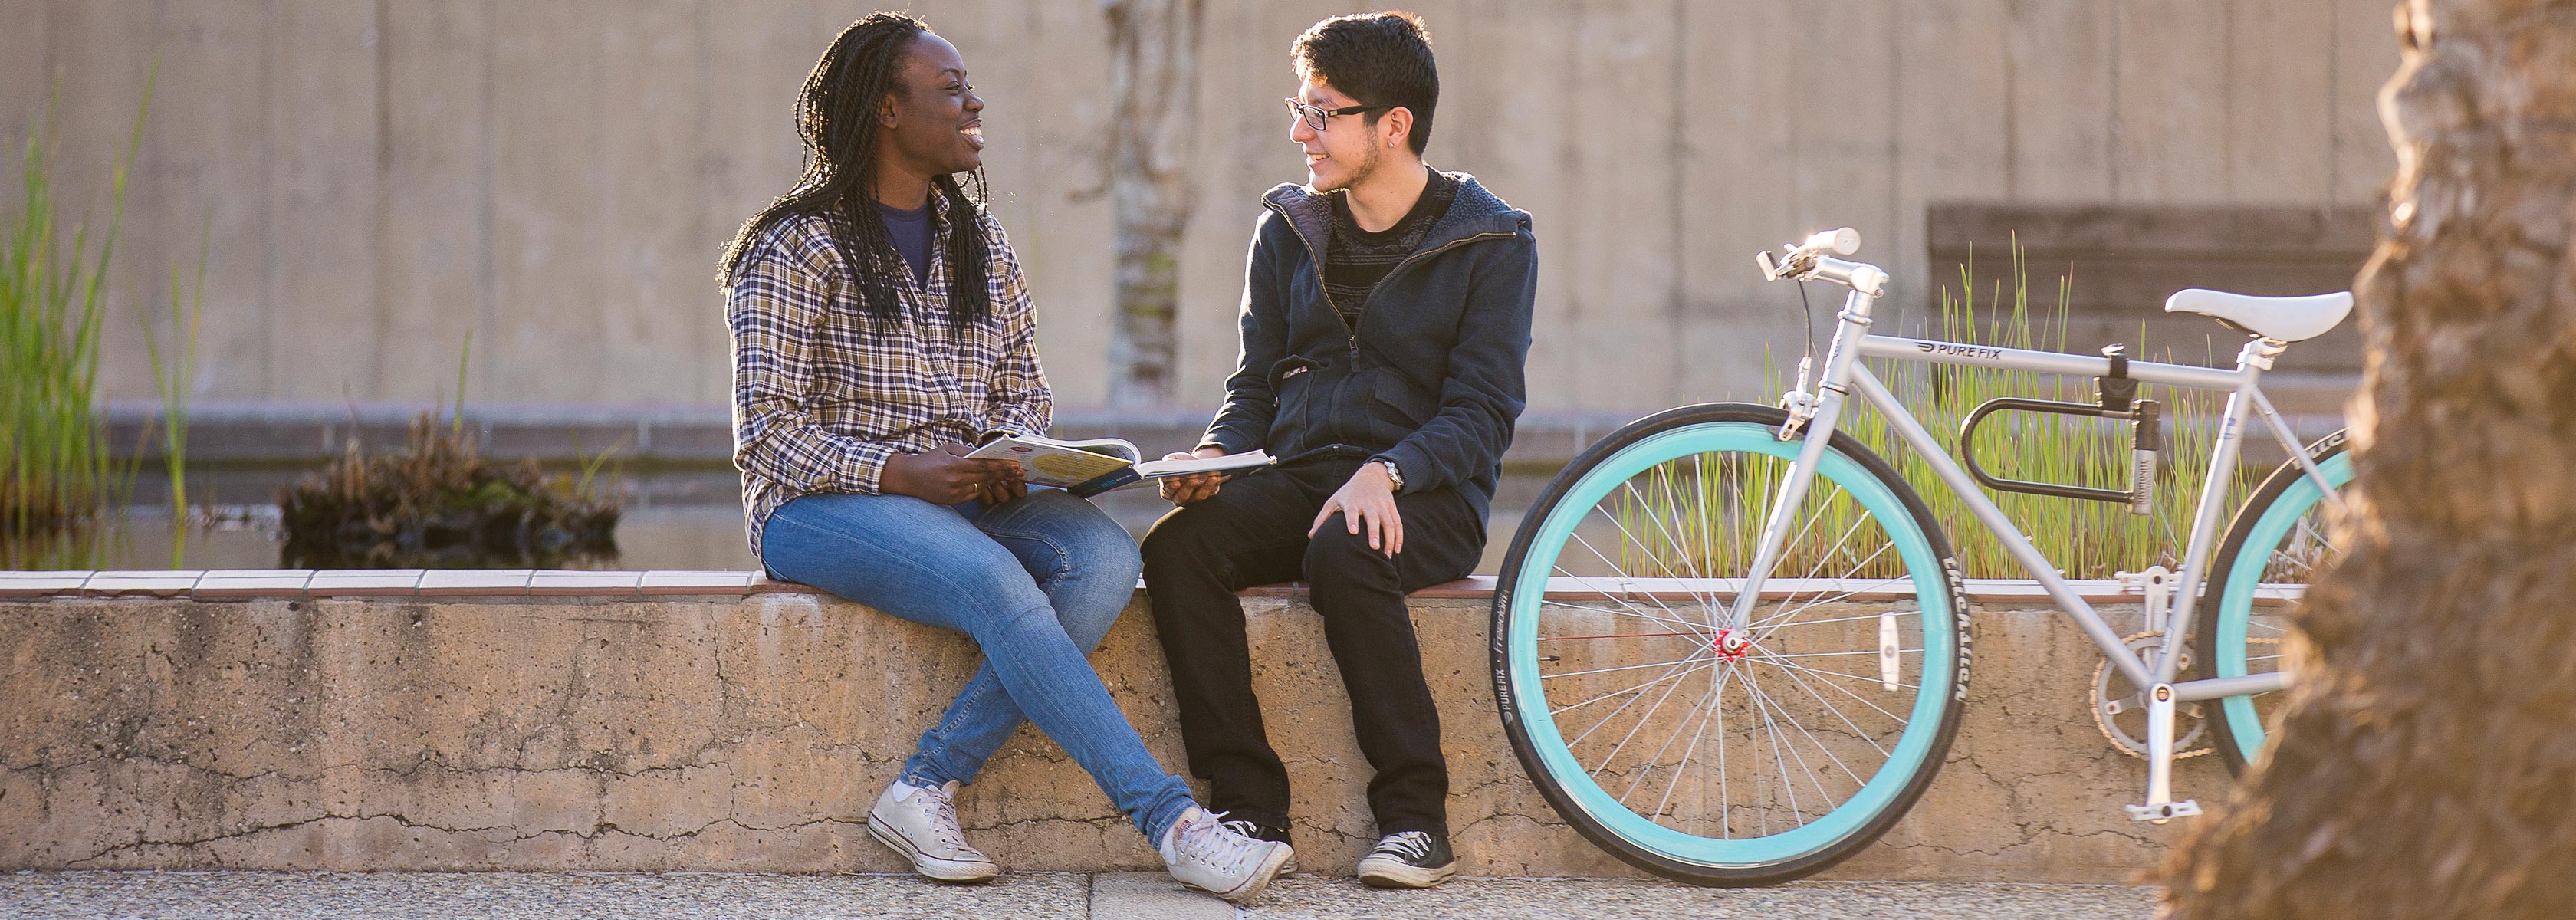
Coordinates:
<point>1203,853</point>
<point>921,824</point>
<point>1246,827</point>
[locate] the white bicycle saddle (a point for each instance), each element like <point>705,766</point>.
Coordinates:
<point>2282,319</point>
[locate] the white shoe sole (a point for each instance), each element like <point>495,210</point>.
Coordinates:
<point>1260,881</point>
<point>1395,873</point>
<point>926,865</point>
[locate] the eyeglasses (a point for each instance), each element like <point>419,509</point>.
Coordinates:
<point>1315,116</point>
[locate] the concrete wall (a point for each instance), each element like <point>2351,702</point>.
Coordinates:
<point>752,733</point>
<point>379,179</point>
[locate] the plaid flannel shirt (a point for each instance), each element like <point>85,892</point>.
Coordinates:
<point>820,402</point>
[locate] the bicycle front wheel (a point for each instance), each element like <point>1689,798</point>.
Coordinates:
<point>1688,755</point>
<point>2277,541</point>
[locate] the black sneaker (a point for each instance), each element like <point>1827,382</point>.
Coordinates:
<point>1408,859</point>
<point>1259,831</point>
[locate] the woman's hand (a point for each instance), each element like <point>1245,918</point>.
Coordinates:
<point>1368,500</point>
<point>1003,490</point>
<point>1195,487</point>
<point>945,476</point>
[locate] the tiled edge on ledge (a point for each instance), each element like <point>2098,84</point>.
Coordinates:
<point>246,584</point>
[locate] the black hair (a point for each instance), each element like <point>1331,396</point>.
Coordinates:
<point>836,115</point>
<point>1376,59</point>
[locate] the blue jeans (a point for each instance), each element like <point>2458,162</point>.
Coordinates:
<point>1036,582</point>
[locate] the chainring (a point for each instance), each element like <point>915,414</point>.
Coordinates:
<point>2188,723</point>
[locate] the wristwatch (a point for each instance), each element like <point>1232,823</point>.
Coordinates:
<point>1393,475</point>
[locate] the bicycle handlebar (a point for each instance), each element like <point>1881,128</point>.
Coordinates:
<point>1808,260</point>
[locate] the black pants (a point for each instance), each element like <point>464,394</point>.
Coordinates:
<point>1253,532</point>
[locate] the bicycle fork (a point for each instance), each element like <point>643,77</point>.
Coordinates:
<point>1811,422</point>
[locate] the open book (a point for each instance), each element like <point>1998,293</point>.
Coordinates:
<point>1088,468</point>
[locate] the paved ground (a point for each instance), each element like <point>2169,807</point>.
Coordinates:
<point>1036,895</point>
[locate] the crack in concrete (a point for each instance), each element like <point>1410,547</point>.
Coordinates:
<point>596,832</point>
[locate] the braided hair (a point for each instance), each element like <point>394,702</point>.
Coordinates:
<point>836,118</point>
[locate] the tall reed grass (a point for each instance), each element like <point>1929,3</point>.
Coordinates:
<point>1699,519</point>
<point>2088,539</point>
<point>54,458</point>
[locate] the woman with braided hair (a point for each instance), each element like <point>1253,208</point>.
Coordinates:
<point>881,325</point>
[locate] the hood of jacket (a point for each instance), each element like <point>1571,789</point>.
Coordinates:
<point>1473,213</point>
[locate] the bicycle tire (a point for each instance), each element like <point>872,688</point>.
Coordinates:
<point>2279,510</point>
<point>1684,852</point>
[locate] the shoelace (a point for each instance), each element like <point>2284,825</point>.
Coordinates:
<point>942,812</point>
<point>1411,846</point>
<point>1210,842</point>
<point>1242,826</point>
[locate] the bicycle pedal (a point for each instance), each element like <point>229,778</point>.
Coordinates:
<point>2187,808</point>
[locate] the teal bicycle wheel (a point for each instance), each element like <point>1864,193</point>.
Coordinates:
<point>2277,540</point>
<point>1704,760</point>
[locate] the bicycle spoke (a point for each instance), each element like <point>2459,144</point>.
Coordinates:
<point>1717,691</point>
<point>1837,711</point>
<point>1902,651</point>
<point>1865,616</point>
<point>1631,609</point>
<point>1649,769</point>
<point>1647,716</point>
<point>1812,739</point>
<point>1828,556</point>
<point>1649,508</point>
<point>1786,783</point>
<point>1900,720</point>
<point>1605,720</point>
<point>1764,699</point>
<point>1712,660</point>
<point>1765,659</point>
<point>1624,667</point>
<point>1725,803</point>
<point>1659,602</point>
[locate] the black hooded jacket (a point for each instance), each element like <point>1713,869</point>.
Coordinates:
<point>1432,379</point>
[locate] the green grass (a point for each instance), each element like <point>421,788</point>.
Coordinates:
<point>56,477</point>
<point>2088,539</point>
<point>174,374</point>
<point>54,467</point>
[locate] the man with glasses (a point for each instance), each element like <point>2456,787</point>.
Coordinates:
<point>1385,324</point>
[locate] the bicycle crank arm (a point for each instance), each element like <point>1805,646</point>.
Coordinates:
<point>2160,806</point>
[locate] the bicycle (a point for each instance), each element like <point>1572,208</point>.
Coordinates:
<point>1824,630</point>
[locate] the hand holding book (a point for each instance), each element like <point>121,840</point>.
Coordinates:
<point>1190,489</point>
<point>1088,468</point>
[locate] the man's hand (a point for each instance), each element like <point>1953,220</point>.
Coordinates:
<point>945,476</point>
<point>1196,487</point>
<point>1368,500</point>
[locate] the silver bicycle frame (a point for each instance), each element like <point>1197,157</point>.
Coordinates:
<point>1843,374</point>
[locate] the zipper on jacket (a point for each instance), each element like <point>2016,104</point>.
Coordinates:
<point>1316,259</point>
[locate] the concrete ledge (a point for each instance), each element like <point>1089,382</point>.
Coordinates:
<point>299,584</point>
<point>749,731</point>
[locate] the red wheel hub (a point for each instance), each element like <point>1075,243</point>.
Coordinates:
<point>1729,647</point>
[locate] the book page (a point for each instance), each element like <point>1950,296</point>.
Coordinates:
<point>1052,464</point>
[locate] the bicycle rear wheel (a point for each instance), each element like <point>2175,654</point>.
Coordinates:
<point>2277,539</point>
<point>1621,697</point>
